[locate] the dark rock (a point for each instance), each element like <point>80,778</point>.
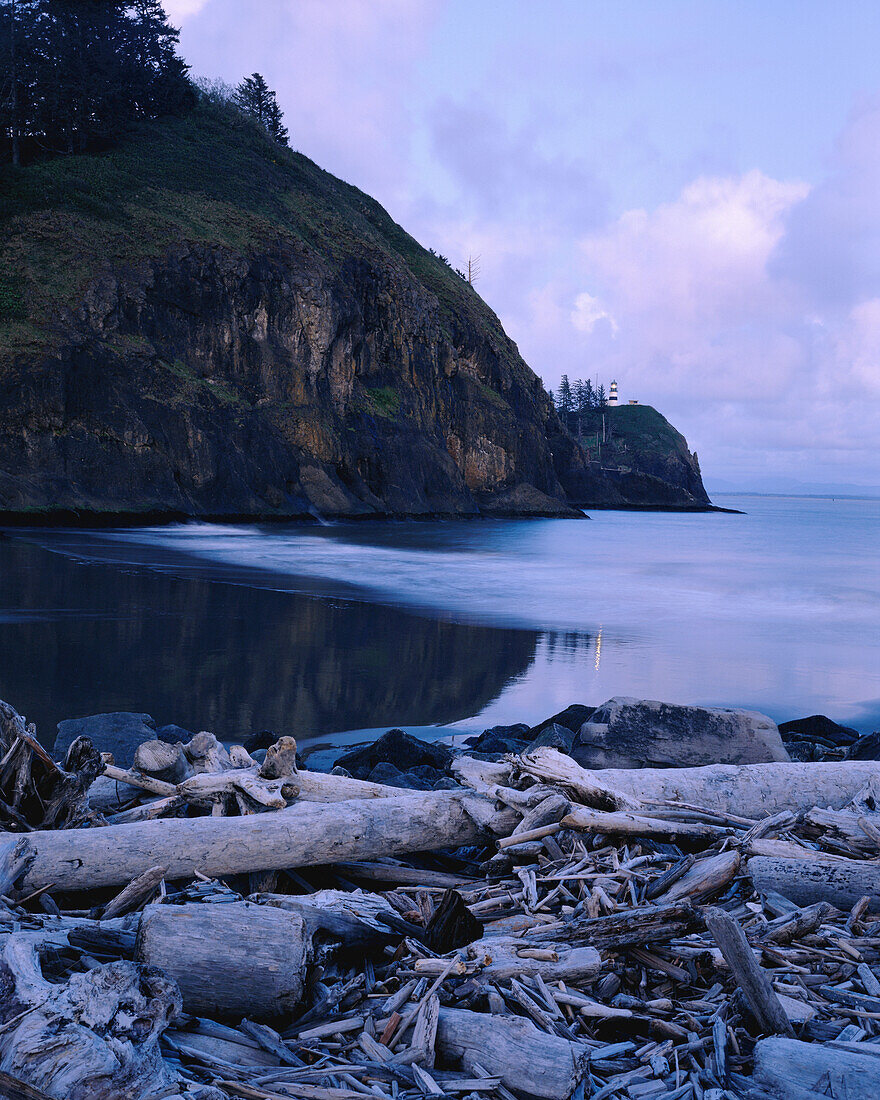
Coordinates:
<point>344,772</point>
<point>804,752</point>
<point>554,737</point>
<point>397,748</point>
<point>815,727</point>
<point>639,733</point>
<point>261,739</point>
<point>490,740</point>
<point>866,748</point>
<point>410,782</point>
<point>572,718</point>
<point>446,784</point>
<point>119,732</point>
<point>382,773</point>
<point>174,734</point>
<point>426,772</point>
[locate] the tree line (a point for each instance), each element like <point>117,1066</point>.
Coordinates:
<point>76,74</point>
<point>579,396</point>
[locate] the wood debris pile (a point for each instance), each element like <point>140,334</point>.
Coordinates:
<point>248,929</point>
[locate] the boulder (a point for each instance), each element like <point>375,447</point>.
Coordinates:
<point>174,734</point>
<point>397,748</point>
<point>866,748</point>
<point>119,732</point>
<point>644,733</point>
<point>500,739</point>
<point>818,728</point>
<point>554,736</point>
<point>572,718</point>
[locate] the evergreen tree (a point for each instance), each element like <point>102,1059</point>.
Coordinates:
<point>601,400</point>
<point>577,395</point>
<point>566,403</point>
<point>74,74</point>
<point>589,395</point>
<point>257,100</point>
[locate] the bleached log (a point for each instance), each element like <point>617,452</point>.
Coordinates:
<point>706,875</point>
<point>781,1062</point>
<point>552,766</point>
<point>804,881</point>
<point>239,959</point>
<point>351,916</point>
<point>303,835</point>
<point>76,1041</point>
<point>619,823</point>
<point>503,957</point>
<point>747,790</point>
<point>749,976</point>
<point>512,1048</point>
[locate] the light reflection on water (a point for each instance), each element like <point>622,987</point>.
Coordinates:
<point>312,629</point>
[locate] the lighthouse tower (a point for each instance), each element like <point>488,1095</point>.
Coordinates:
<point>612,397</point>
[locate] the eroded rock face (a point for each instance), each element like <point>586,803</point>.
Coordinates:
<point>639,733</point>
<point>213,383</point>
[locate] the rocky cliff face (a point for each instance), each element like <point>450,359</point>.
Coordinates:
<point>253,338</point>
<point>212,382</point>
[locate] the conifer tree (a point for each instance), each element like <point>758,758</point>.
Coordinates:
<point>257,100</point>
<point>601,400</point>
<point>566,403</point>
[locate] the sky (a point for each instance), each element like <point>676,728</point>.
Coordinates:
<point>682,195</point>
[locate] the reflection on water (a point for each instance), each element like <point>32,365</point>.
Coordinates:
<point>311,630</point>
<point>82,638</point>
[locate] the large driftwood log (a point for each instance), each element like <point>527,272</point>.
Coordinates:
<point>804,881</point>
<point>748,790</point>
<point>526,1059</point>
<point>821,1069</point>
<point>95,1037</point>
<point>302,835</point>
<point>238,958</point>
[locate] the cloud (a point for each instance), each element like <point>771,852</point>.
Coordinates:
<point>588,312</point>
<point>178,10</point>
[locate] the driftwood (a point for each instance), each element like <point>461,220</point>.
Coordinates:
<point>822,1070</point>
<point>749,977</point>
<point>646,924</point>
<point>302,835</point>
<point>750,790</point>
<point>620,823</point>
<point>523,1057</point>
<point>34,791</point>
<point>94,1037</point>
<point>842,882</point>
<point>237,959</point>
<point>503,957</point>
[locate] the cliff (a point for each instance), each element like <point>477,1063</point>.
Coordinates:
<point>202,323</point>
<point>634,458</point>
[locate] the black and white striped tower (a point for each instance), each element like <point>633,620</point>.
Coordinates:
<point>612,397</point>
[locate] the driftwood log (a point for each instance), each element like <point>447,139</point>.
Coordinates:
<point>302,835</point>
<point>842,882</point>
<point>96,1037</point>
<point>237,959</point>
<point>749,790</point>
<point>526,1059</point>
<point>820,1070</point>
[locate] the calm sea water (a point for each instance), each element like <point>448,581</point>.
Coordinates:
<point>314,630</point>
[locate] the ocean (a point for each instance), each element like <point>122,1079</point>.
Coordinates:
<point>318,631</point>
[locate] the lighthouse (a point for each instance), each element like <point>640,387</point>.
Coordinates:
<point>612,397</point>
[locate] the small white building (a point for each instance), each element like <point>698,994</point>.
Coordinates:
<point>612,396</point>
